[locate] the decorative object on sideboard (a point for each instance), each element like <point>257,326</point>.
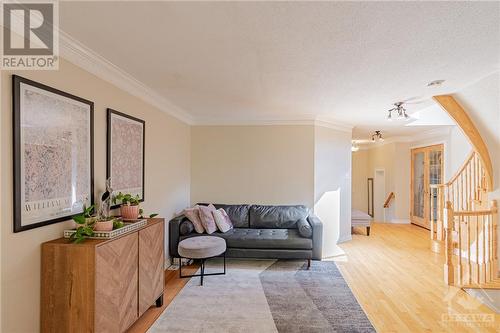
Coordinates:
<point>105,222</point>
<point>141,214</point>
<point>84,225</point>
<point>105,207</point>
<point>125,154</point>
<point>129,208</point>
<point>123,228</point>
<point>53,154</point>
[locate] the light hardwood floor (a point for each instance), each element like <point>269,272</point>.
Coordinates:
<point>397,280</point>
<point>173,284</point>
<point>399,283</point>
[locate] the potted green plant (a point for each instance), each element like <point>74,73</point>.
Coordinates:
<point>84,223</point>
<point>129,209</point>
<point>104,224</point>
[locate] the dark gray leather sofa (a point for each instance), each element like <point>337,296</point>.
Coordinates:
<point>269,232</point>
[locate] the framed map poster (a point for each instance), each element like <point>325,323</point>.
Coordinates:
<point>53,154</point>
<point>125,154</point>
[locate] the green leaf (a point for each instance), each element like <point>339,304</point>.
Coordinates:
<point>80,219</point>
<point>79,240</point>
<point>152,215</point>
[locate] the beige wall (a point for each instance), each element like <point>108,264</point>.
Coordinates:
<point>394,159</point>
<point>382,158</point>
<point>167,182</point>
<point>359,180</point>
<point>252,164</point>
<point>332,186</point>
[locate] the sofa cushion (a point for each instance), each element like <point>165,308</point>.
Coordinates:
<point>238,214</point>
<point>223,221</point>
<point>186,227</point>
<point>304,228</point>
<point>207,219</point>
<point>193,214</point>
<point>275,217</point>
<point>265,239</point>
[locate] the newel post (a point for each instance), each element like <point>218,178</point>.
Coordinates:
<point>448,227</point>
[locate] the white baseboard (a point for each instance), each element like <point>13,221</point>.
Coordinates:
<point>399,221</point>
<point>344,239</point>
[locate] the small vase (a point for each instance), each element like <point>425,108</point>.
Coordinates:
<point>129,212</point>
<point>103,225</point>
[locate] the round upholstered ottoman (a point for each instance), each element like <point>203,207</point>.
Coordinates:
<point>203,248</point>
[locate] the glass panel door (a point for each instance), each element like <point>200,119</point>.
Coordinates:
<point>426,169</point>
<point>418,184</point>
<point>435,176</point>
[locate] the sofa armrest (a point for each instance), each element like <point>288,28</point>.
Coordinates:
<point>173,235</point>
<point>317,237</point>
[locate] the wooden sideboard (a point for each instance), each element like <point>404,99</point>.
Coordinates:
<point>102,285</point>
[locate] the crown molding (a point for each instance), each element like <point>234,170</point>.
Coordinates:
<point>277,121</point>
<point>333,124</point>
<point>80,55</point>
<point>425,135</point>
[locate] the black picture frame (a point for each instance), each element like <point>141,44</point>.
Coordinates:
<point>17,153</point>
<point>370,196</point>
<point>109,152</point>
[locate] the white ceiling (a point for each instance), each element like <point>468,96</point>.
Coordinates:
<point>248,61</point>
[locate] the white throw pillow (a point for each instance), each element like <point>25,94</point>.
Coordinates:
<point>222,220</point>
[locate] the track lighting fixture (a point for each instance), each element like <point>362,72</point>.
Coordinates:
<point>377,136</point>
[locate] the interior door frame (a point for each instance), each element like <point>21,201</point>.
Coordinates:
<point>425,220</point>
<point>378,185</point>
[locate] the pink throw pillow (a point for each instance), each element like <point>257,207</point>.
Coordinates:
<point>193,215</point>
<point>207,219</point>
<point>222,220</point>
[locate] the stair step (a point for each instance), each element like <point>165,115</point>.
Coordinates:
<point>493,284</point>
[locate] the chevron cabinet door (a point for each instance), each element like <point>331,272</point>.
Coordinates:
<point>151,265</point>
<point>116,284</point>
<point>102,285</point>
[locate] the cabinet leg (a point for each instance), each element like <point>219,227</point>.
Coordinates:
<point>159,301</point>
<point>368,231</point>
<point>308,263</point>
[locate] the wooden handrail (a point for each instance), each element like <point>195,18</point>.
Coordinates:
<point>465,190</point>
<point>462,119</point>
<point>387,202</point>
<point>475,212</point>
<point>462,168</point>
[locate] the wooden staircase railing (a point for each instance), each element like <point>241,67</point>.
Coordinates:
<point>463,221</point>
<point>388,200</point>
<point>466,191</point>
<point>471,245</point>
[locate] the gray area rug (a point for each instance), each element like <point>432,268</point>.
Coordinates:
<point>266,296</point>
